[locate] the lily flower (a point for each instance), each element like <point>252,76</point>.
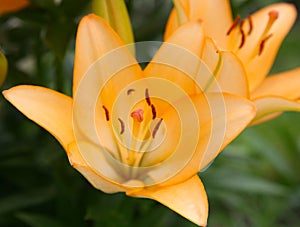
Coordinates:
<point>255,40</point>
<point>143,132</point>
<point>7,6</point>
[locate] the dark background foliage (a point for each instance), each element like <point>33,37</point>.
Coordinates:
<point>254,182</point>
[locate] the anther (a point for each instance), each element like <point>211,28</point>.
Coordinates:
<point>156,128</point>
<point>122,126</point>
<point>130,91</point>
<point>147,97</point>
<point>106,113</point>
<point>153,111</point>
<point>250,25</point>
<point>234,24</point>
<point>262,44</point>
<point>243,34</point>
<point>138,115</point>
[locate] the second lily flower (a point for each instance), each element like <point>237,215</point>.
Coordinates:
<point>255,40</point>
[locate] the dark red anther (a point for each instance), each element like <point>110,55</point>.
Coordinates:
<point>147,97</point>
<point>243,35</point>
<point>153,111</point>
<point>250,24</point>
<point>234,24</point>
<point>122,126</point>
<point>130,91</point>
<point>106,113</point>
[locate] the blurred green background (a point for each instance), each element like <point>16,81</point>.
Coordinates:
<point>254,182</point>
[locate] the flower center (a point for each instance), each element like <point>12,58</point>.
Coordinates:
<point>136,136</point>
<point>237,32</point>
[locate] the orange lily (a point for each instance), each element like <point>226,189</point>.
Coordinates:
<point>7,6</point>
<point>255,40</point>
<point>143,132</point>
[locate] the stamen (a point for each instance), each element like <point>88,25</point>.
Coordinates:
<point>156,128</point>
<point>106,112</point>
<point>122,126</point>
<point>130,91</point>
<point>147,97</point>
<point>243,35</point>
<point>153,111</point>
<point>138,115</point>
<point>234,24</point>
<point>250,24</point>
<point>262,44</point>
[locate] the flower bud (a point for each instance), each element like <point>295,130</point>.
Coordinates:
<point>116,15</point>
<point>3,68</point>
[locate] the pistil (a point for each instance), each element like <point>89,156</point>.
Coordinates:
<point>137,115</point>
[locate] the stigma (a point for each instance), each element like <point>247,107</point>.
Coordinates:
<point>137,115</point>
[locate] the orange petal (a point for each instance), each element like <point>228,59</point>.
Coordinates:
<point>211,55</point>
<point>211,63</point>
<point>238,114</point>
<point>8,6</point>
<point>178,16</point>
<point>207,11</point>
<point>232,76</point>
<point>103,66</point>
<point>221,117</point>
<point>91,174</point>
<point>269,107</point>
<point>178,142</point>
<point>258,66</point>
<point>188,199</point>
<point>177,60</point>
<point>95,38</point>
<point>226,67</point>
<point>181,10</point>
<point>172,24</point>
<point>48,108</point>
<point>284,84</point>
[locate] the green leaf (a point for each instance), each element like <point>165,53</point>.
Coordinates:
<point>25,199</point>
<point>38,220</point>
<point>59,34</point>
